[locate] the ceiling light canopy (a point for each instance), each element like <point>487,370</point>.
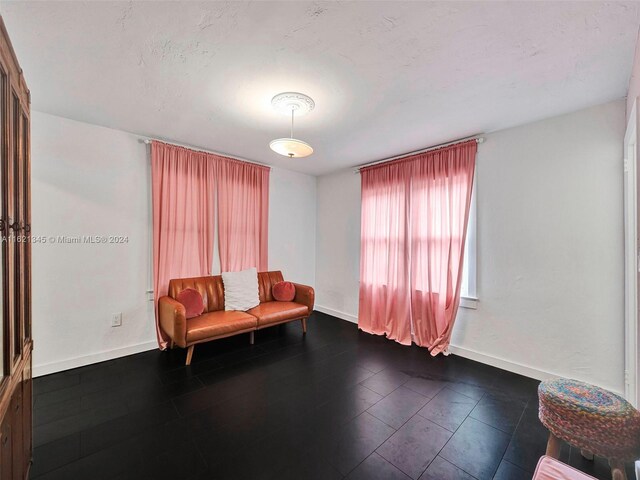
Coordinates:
<point>292,103</point>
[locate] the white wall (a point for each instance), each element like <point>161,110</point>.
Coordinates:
<point>90,180</point>
<point>292,225</point>
<point>550,249</point>
<point>634,81</point>
<point>632,96</point>
<point>338,244</point>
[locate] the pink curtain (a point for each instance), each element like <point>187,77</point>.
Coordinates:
<point>441,185</point>
<point>243,215</point>
<point>183,189</point>
<point>414,224</point>
<point>384,258</point>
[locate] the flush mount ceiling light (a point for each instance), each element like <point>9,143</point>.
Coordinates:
<point>292,103</point>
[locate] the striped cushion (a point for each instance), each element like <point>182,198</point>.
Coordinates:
<point>551,469</point>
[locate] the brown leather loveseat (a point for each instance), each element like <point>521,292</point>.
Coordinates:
<point>216,323</point>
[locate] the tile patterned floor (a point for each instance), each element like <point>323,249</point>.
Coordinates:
<point>335,404</point>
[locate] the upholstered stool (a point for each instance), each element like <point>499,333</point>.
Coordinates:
<point>592,419</point>
<point>551,469</point>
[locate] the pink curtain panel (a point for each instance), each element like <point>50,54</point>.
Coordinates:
<point>414,224</point>
<point>183,190</point>
<point>243,215</point>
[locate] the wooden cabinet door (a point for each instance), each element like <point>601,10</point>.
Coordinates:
<point>27,416</point>
<point>17,447</point>
<point>15,268</point>
<point>14,239</point>
<point>5,448</point>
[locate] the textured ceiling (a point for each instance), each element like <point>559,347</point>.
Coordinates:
<point>387,77</point>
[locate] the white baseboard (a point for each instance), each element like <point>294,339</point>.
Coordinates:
<point>514,367</point>
<point>501,363</point>
<point>519,368</point>
<point>508,365</point>
<point>59,366</point>
<point>336,313</point>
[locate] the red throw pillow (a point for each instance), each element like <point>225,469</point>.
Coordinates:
<point>192,301</point>
<point>284,291</point>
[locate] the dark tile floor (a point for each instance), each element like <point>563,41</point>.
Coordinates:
<point>335,404</point>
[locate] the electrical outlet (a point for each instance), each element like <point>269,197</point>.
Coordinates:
<point>116,319</point>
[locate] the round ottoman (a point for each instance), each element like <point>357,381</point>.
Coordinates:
<point>592,419</point>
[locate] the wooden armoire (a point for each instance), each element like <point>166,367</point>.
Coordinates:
<point>15,267</point>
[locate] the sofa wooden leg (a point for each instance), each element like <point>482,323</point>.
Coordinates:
<point>617,470</point>
<point>553,446</point>
<point>304,325</point>
<point>189,354</point>
<point>251,337</point>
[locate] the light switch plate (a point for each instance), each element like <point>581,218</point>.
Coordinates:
<point>116,319</point>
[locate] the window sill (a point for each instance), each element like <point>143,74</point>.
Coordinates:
<point>469,302</point>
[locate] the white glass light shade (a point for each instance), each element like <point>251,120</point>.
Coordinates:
<point>291,147</point>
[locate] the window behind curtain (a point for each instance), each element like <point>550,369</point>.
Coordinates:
<point>380,198</point>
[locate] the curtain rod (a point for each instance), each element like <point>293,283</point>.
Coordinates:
<point>198,149</point>
<point>478,138</point>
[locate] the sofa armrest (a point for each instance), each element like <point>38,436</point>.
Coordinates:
<point>173,320</point>
<point>305,295</point>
